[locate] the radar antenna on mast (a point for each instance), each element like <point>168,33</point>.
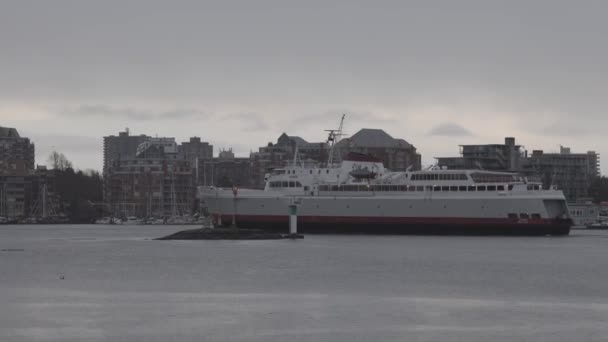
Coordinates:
<point>333,138</point>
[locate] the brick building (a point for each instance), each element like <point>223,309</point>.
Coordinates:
<point>275,155</point>
<point>396,154</point>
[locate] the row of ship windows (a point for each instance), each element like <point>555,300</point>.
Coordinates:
<point>293,172</point>
<point>477,178</point>
<point>381,188</point>
<point>439,176</point>
<point>285,184</point>
<point>579,212</point>
<point>411,188</point>
<point>420,188</point>
<point>524,216</point>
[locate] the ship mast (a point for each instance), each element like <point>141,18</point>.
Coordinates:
<point>332,139</point>
<point>174,209</point>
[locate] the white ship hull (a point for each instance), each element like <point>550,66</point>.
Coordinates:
<point>532,212</point>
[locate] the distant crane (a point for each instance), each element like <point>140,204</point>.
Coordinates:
<point>333,138</point>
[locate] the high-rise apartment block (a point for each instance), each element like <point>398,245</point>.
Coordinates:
<point>16,153</point>
<point>151,176</point>
<point>123,146</point>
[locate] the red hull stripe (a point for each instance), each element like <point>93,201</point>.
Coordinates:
<point>354,220</point>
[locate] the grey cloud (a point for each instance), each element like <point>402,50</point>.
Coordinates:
<point>331,119</point>
<point>247,121</point>
<point>568,128</point>
<point>105,111</point>
<point>450,130</point>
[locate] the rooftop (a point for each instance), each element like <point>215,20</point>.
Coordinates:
<point>7,132</point>
<point>370,137</point>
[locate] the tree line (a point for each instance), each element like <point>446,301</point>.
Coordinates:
<point>598,190</point>
<point>79,191</point>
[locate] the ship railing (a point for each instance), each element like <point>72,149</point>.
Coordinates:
<point>372,188</point>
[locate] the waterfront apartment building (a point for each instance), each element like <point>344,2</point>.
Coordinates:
<point>570,172</point>
<point>150,187</point>
<point>225,171</point>
<point>151,176</point>
<point>122,146</point>
<point>25,191</point>
<point>498,157</point>
<point>28,195</point>
<point>16,153</point>
<point>126,146</point>
<point>195,149</point>
<point>158,148</point>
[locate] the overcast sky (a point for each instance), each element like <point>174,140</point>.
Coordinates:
<point>239,73</point>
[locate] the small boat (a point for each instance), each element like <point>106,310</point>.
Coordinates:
<point>132,220</point>
<point>108,220</point>
<point>363,173</point>
<point>598,225</point>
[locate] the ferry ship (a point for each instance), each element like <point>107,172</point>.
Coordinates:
<point>359,195</point>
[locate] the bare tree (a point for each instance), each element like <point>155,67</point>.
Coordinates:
<point>59,161</point>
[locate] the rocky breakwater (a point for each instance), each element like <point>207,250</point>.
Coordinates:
<point>228,234</point>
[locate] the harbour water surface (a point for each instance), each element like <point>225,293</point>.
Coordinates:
<point>114,283</point>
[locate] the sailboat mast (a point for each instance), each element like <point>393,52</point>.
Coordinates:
<point>44,210</point>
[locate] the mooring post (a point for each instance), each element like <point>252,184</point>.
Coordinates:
<point>235,192</point>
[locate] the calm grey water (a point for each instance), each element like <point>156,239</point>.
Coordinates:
<point>112,283</point>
